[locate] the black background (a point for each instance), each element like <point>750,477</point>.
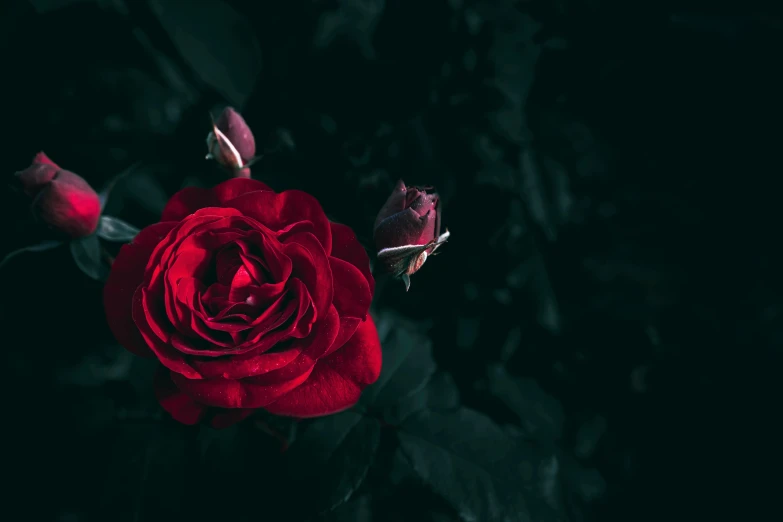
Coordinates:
<point>608,171</point>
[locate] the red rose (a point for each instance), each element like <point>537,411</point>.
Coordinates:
<point>61,199</point>
<point>407,230</point>
<point>250,299</point>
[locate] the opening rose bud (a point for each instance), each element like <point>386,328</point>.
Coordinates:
<point>407,230</point>
<point>61,199</point>
<point>231,143</point>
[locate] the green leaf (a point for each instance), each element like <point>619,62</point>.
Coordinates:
<point>40,247</point>
<point>106,191</point>
<point>87,254</point>
<point>238,451</point>
<point>216,41</point>
<point>440,394</point>
<point>145,189</point>
<point>541,414</point>
<point>473,464</point>
<point>147,474</point>
<point>113,229</point>
<point>331,458</point>
<point>357,510</point>
<point>407,365</point>
<point>47,6</point>
<point>587,483</point>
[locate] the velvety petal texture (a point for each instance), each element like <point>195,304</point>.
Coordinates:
<point>231,143</point>
<point>234,127</point>
<point>249,299</point>
<point>407,230</point>
<point>411,216</point>
<point>61,199</point>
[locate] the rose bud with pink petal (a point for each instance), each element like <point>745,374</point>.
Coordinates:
<point>61,199</point>
<point>407,230</point>
<point>231,143</point>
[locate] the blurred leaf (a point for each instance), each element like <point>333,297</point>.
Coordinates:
<point>147,191</point>
<point>87,254</point>
<point>106,191</point>
<point>85,412</point>
<point>515,57</point>
<point>147,473</point>
<point>546,190</point>
<point>587,483</point>
<point>356,510</point>
<point>354,20</point>
<point>331,458</point>
<point>219,447</point>
<point>282,429</point>
<point>407,364</point>
<point>113,229</point>
<point>238,451</point>
<point>40,247</point>
<point>440,394</point>
<point>588,436</point>
<point>216,41</point>
<point>45,6</point>
<point>535,193</point>
<point>467,459</point>
<point>112,363</point>
<point>541,414</point>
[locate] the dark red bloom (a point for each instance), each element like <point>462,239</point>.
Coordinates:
<point>232,143</point>
<point>61,199</point>
<point>407,230</point>
<point>250,299</point>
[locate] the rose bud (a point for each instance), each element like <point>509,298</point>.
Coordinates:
<point>407,230</point>
<point>61,199</point>
<point>231,143</point>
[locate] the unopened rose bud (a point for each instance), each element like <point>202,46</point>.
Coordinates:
<point>407,230</point>
<point>231,143</point>
<point>61,199</point>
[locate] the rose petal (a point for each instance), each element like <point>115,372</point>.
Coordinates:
<point>352,295</point>
<point>311,266</point>
<point>190,199</point>
<point>42,158</point>
<point>126,275</point>
<point>348,326</point>
<point>164,252</point>
<point>154,315</point>
<point>34,178</point>
<point>424,203</point>
<point>69,204</point>
<point>185,202</point>
<point>227,262</point>
<point>278,211</point>
<point>178,404</point>
<point>277,367</point>
<point>191,320</point>
<point>272,261</point>
<point>276,326</point>
<point>346,246</point>
<point>227,393</point>
<point>235,187</point>
<point>240,284</point>
<point>337,380</point>
<point>237,131</point>
<point>395,203</point>
<point>404,228</point>
<point>240,367</point>
<point>168,356</point>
